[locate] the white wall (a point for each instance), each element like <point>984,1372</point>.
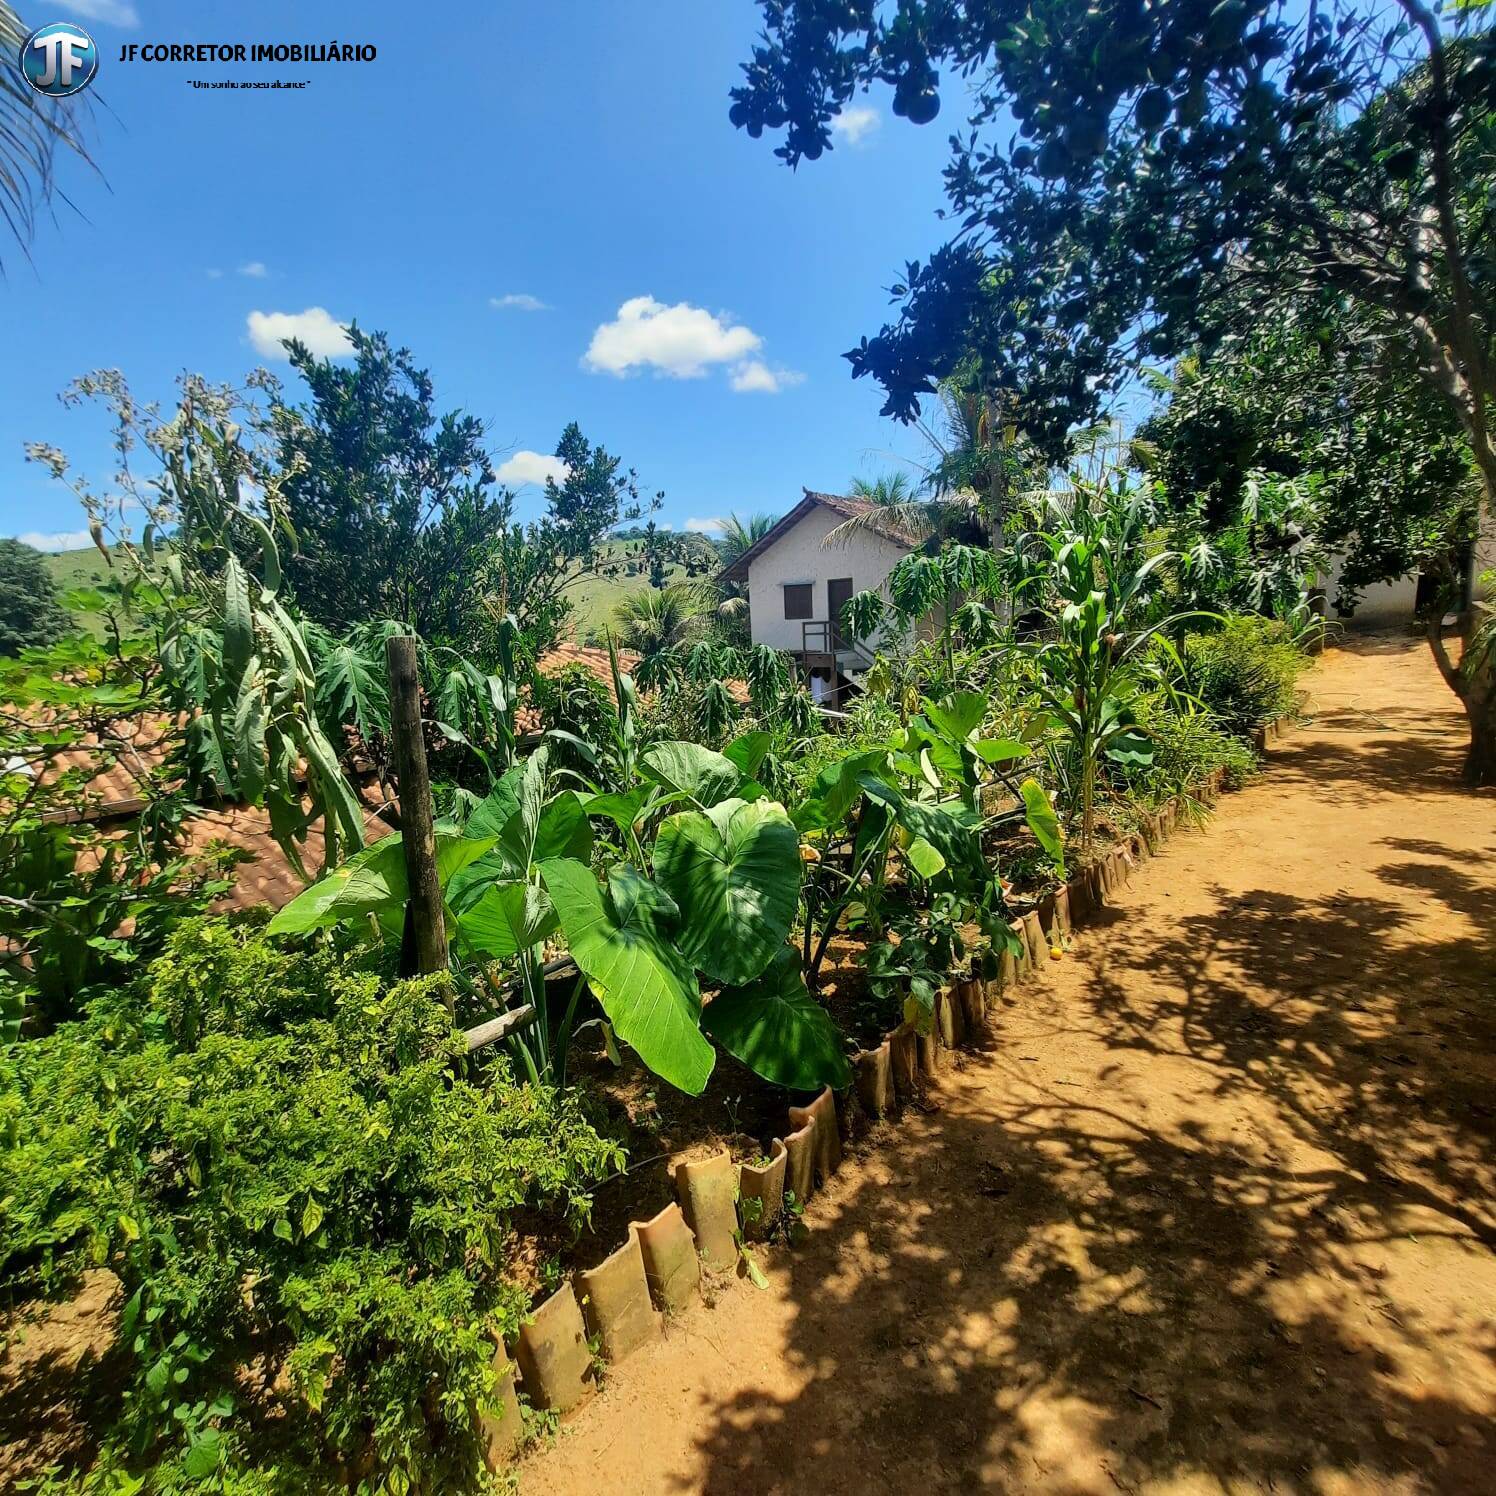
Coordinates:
<point>1382,604</point>
<point>799,556</point>
<point>1389,603</point>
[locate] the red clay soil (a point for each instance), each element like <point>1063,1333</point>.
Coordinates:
<point>1213,1213</point>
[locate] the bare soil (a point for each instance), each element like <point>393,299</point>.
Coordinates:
<point>1212,1213</point>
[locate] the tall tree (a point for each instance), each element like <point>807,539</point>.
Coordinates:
<point>1320,402</point>
<point>1167,160</point>
<point>29,611</point>
<point>1165,157</point>
<point>740,534</point>
<point>885,489</point>
<point>396,510</point>
<point>537,567</point>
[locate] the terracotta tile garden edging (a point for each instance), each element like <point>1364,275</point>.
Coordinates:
<point>764,1183</point>
<point>872,1072</point>
<point>616,1306</point>
<point>554,1360</point>
<point>800,1170</point>
<point>707,1189</point>
<point>670,1265</point>
<point>657,1270</point>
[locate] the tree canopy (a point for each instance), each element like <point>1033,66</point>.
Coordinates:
<point>1319,406</point>
<point>1165,158</point>
<point>29,611</point>
<point>394,508</point>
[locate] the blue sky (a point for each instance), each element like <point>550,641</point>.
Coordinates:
<point>696,295</point>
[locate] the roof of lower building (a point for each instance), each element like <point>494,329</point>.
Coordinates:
<point>121,770</point>
<point>838,504</point>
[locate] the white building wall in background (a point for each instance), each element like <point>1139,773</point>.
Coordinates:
<point>1390,603</point>
<point>799,556</point>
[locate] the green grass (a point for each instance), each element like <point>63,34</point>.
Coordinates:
<point>595,598</point>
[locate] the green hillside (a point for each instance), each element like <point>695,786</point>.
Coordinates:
<point>78,570</point>
<point>593,599</point>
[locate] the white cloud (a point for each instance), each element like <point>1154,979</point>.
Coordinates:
<point>856,125</point>
<point>518,301</point>
<point>315,327</point>
<point>681,341</point>
<point>754,376</point>
<point>255,269</point>
<point>57,540</point>
<point>110,12</point>
<point>706,526</point>
<point>531,467</point>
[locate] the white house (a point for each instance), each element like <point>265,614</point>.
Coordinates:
<point>797,583</point>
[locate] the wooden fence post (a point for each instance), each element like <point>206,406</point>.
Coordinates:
<point>424,912</point>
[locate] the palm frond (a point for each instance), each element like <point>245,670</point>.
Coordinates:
<point>32,130</point>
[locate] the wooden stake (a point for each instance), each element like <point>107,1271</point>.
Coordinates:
<point>424,912</point>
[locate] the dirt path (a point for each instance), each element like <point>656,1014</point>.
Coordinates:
<point>1214,1214</point>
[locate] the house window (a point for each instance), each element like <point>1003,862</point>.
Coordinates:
<point>798,599</point>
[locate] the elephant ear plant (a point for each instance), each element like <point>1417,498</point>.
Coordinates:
<point>724,894</point>
<point>707,891</point>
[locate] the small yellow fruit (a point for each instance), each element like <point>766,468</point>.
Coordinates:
<point>1055,953</point>
<point>809,853</point>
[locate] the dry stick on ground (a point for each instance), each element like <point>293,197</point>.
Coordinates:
<point>423,913</point>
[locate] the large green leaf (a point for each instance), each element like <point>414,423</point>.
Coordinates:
<point>1044,823</point>
<point>944,825</point>
<point>491,816</point>
<point>748,751</point>
<point>735,873</point>
<point>623,942</point>
<point>369,882</point>
<point>249,733</point>
<point>238,624</point>
<point>778,1030</point>
<point>507,918</point>
<point>526,828</point>
<point>621,807</point>
<point>705,776</point>
<point>837,789</point>
<point>372,882</point>
<point>999,750</point>
<point>956,716</point>
<point>351,690</point>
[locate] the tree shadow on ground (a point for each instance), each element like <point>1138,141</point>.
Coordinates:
<point>1250,1249</point>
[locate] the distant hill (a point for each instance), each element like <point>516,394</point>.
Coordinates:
<point>594,599</point>
<point>75,570</point>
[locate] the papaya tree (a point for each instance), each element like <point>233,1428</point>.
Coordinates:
<point>193,536</point>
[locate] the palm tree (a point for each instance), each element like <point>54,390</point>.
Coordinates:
<point>887,489</point>
<point>739,535</point>
<point>655,618</point>
<point>32,127</point>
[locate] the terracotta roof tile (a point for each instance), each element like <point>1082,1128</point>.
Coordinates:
<point>268,878</point>
<point>840,504</point>
<point>527,718</point>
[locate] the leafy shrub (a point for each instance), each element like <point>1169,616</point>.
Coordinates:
<point>82,904</point>
<point>1246,672</point>
<point>1186,747</point>
<point>282,1156</point>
